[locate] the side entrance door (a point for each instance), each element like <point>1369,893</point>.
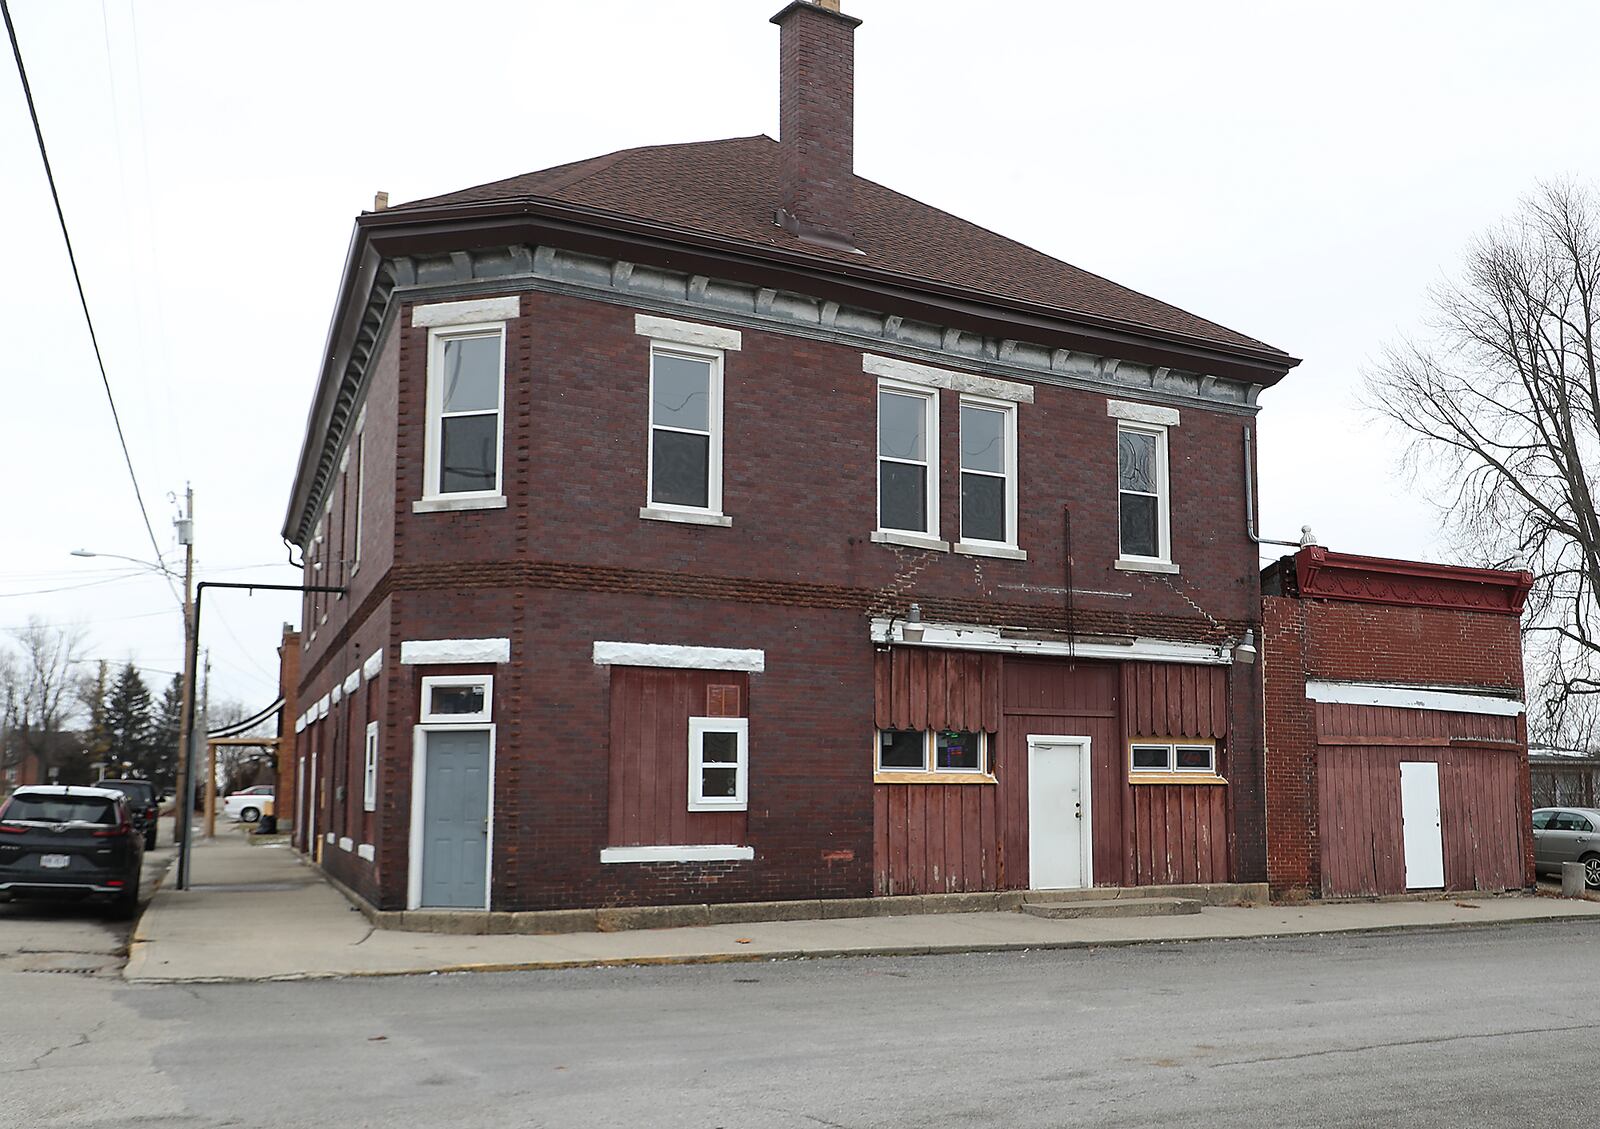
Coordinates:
<point>1421,829</point>
<point>1059,843</point>
<point>455,819</point>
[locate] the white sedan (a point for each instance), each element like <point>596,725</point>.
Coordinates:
<point>248,803</point>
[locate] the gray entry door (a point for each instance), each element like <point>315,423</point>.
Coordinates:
<point>455,819</point>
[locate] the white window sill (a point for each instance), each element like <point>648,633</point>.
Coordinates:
<point>1004,552</point>
<point>436,505</point>
<point>712,853</point>
<point>910,540</point>
<point>1147,566</point>
<point>684,517</point>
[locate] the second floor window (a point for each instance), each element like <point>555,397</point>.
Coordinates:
<point>907,460</point>
<point>988,473</point>
<point>686,428</point>
<point>466,382</point>
<point>1142,493</point>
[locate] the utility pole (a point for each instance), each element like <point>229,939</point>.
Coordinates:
<point>185,524</point>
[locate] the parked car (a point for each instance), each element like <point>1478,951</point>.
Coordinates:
<point>1567,835</point>
<point>143,802</point>
<point>65,841</point>
<point>248,803</point>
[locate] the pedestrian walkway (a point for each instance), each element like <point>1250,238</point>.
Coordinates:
<point>260,913</point>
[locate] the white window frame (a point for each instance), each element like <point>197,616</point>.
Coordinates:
<point>1008,410</point>
<point>698,728</point>
<point>431,484</point>
<point>369,770</point>
<point>430,682</point>
<point>1163,493</point>
<point>1140,773</point>
<point>930,399</point>
<point>713,506</point>
<point>930,772</point>
<point>361,481</point>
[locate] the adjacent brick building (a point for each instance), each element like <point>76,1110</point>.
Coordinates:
<point>1397,752</point>
<point>716,524</point>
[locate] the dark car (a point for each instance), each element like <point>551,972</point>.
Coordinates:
<point>143,804</point>
<point>70,842</point>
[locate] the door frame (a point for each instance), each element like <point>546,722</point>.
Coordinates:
<point>1437,834</point>
<point>419,782</point>
<point>1085,790</point>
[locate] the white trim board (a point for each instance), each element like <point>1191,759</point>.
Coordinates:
<point>674,332</point>
<point>708,853</point>
<point>679,657</point>
<point>1440,698</point>
<point>965,637</point>
<point>929,377</point>
<point>418,652</point>
<point>466,313</point>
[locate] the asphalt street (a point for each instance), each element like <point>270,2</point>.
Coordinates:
<point>1475,1027</point>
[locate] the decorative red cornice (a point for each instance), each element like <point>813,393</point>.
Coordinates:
<point>1322,574</point>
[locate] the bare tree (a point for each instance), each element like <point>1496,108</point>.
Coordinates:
<point>1501,404</point>
<point>41,692</point>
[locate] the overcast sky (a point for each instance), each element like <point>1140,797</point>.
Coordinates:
<point>1299,172</point>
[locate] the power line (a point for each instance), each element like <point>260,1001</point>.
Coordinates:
<point>83,300</point>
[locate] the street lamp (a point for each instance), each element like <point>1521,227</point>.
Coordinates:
<point>151,565</point>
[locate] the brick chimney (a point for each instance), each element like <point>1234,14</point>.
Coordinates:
<point>816,121</point>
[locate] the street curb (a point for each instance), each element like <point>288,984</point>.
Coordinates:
<point>829,954</point>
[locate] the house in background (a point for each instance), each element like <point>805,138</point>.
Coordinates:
<point>715,524</point>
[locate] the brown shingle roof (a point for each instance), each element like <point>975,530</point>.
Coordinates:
<point>730,189</point>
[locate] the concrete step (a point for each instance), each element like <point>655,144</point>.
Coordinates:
<point>1210,894</point>
<point>1112,907</point>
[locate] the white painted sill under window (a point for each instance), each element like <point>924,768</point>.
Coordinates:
<point>438,505</point>
<point>1003,552</point>
<point>910,540</point>
<point>1127,565</point>
<point>684,517</point>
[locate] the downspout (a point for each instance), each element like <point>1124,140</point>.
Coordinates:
<point>1250,506</point>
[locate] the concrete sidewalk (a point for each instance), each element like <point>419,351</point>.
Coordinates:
<point>259,913</point>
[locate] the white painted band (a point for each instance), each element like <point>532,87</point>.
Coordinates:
<point>1412,698</point>
<point>677,854</point>
<point>963,637</point>
<point>679,657</point>
<point>1142,413</point>
<point>416,652</point>
<point>352,682</point>
<point>672,331</point>
<point>365,850</point>
<point>374,663</point>
<point>930,377</point>
<point>466,313</point>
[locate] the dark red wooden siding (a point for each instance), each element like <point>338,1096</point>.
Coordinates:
<point>1176,700</point>
<point>922,688</point>
<point>649,779</point>
<point>1482,778</point>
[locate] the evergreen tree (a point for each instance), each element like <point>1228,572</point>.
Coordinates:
<point>94,693</point>
<point>164,736</point>
<point>129,723</point>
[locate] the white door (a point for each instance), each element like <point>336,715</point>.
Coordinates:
<point>1059,844</point>
<point>1420,825</point>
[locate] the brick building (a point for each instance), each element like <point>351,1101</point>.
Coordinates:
<point>715,524</point>
<point>1397,755</point>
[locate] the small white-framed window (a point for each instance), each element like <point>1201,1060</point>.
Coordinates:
<point>908,459</point>
<point>466,406</point>
<point>361,481</point>
<point>988,472</point>
<point>719,763</point>
<point>369,770</point>
<point>457,699</point>
<point>1172,758</point>
<point>916,752</point>
<point>1143,508</point>
<point>685,471</point>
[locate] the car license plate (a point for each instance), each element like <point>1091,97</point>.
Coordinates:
<point>54,862</point>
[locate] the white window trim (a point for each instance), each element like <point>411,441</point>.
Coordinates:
<point>670,331</point>
<point>374,663</point>
<point>1172,773</point>
<point>698,728</point>
<point>369,770</point>
<point>1163,498</point>
<point>927,376</point>
<point>435,401</point>
<point>713,506</point>
<point>468,681</point>
<point>930,398</point>
<point>366,851</point>
<point>1008,411</point>
<point>674,656</point>
<point>1142,413</point>
<point>352,682</point>
<point>422,652</point>
<point>707,852</point>
<point>930,772</point>
<point>361,489</point>
<point>474,311</point>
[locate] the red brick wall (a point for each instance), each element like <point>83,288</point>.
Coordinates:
<point>1437,646</point>
<point>1293,857</point>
